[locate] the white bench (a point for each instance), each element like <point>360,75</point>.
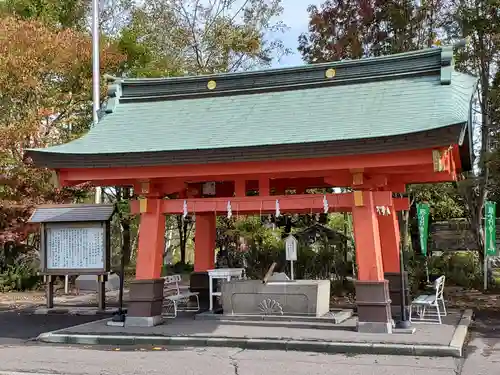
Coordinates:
<point>175,299</point>
<point>425,304</point>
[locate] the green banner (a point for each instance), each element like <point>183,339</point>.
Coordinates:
<point>490,232</point>
<point>423,210</point>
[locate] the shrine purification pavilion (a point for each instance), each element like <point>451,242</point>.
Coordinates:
<point>373,125</point>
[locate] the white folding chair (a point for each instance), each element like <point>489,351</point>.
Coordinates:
<point>430,308</point>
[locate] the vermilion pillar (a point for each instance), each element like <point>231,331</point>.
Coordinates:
<point>389,241</point>
<point>151,242</point>
<point>367,239</point>
<point>372,292</point>
<point>146,292</point>
<point>205,236</point>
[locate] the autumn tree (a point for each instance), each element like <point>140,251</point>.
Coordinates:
<point>352,29</point>
<point>45,92</point>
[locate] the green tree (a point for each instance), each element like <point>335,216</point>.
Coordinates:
<point>355,29</point>
<point>172,38</point>
<point>193,37</point>
<point>479,22</point>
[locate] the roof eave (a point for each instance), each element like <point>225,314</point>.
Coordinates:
<point>440,137</point>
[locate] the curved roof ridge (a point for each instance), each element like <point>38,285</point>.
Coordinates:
<point>436,61</point>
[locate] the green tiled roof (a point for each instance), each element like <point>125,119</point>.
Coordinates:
<point>370,98</point>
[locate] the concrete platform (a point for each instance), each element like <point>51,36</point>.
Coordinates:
<point>445,340</point>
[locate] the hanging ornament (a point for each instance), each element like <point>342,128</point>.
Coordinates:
<point>278,213</point>
<point>185,209</point>
<point>325,205</point>
<point>229,210</point>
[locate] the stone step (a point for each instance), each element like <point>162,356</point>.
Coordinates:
<point>284,324</point>
<point>332,318</point>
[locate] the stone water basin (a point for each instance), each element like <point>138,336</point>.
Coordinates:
<point>290,297</point>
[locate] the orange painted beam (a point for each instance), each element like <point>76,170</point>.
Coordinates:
<point>264,186</point>
<point>307,180</point>
<point>421,168</point>
<point>297,166</point>
<point>240,188</point>
<point>254,205</point>
<point>424,178</point>
<point>401,204</point>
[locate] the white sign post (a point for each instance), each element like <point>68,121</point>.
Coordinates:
<point>291,252</point>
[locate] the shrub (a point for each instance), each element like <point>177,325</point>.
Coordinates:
<point>177,268</point>
<point>462,269</point>
<point>18,268</point>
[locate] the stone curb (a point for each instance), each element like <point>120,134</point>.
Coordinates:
<point>255,344</point>
<point>461,331</point>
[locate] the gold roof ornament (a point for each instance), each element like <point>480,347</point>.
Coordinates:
<point>330,73</point>
<point>211,85</point>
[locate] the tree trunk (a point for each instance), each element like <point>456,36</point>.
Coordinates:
<point>184,228</point>
<point>126,246</point>
<point>123,194</point>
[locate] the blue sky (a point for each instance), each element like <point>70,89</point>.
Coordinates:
<point>296,18</point>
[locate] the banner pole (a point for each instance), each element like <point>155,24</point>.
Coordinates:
<point>485,271</point>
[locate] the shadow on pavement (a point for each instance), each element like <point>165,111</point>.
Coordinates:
<point>487,323</point>
<point>486,327</point>
<point>22,325</point>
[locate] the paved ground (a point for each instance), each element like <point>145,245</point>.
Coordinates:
<point>20,356</point>
<point>17,327</point>
<point>213,361</point>
<point>225,361</point>
<point>483,356</point>
<point>483,352</point>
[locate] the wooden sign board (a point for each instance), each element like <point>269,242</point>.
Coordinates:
<point>75,248</point>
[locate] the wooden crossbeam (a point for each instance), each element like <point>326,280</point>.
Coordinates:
<point>255,205</point>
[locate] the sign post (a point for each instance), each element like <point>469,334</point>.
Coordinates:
<point>490,246</point>
<point>291,252</point>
